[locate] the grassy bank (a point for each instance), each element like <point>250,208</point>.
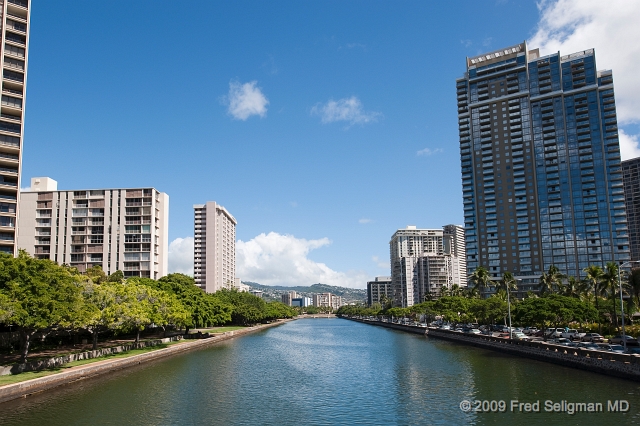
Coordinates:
<point>223,329</point>
<point>21,377</point>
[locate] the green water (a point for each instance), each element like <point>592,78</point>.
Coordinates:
<point>326,372</point>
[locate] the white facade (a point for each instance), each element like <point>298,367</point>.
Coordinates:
<point>457,249</point>
<point>423,261</point>
<point>214,257</point>
<point>327,300</point>
<point>117,229</point>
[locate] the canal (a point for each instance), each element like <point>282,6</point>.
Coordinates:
<point>326,372</point>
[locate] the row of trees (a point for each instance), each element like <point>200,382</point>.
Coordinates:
<point>560,299</point>
<point>548,310</point>
<point>37,296</point>
<point>600,286</point>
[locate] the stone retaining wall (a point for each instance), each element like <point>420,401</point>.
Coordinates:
<point>21,389</point>
<point>609,363</point>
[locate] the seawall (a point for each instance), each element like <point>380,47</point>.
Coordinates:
<point>27,387</point>
<point>609,363</point>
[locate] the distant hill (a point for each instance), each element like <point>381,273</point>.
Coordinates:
<point>348,294</point>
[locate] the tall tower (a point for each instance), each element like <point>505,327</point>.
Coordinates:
<point>540,156</point>
<point>631,178</point>
<point>214,257</point>
<point>15,46</point>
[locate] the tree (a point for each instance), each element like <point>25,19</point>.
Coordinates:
<point>116,277</point>
<point>571,288</point>
<point>96,274</point>
<point>102,302</point>
<point>481,279</point>
<point>550,280</point>
<point>610,286</point>
<point>594,277</point>
<point>39,296</point>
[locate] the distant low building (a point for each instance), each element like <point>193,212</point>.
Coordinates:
<point>379,289</point>
<point>238,285</point>
<point>256,292</point>
<point>302,302</point>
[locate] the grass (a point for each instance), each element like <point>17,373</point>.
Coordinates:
<point>223,329</point>
<point>21,377</point>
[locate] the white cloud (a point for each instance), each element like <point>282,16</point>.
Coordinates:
<point>629,147</point>
<point>276,259</point>
<point>181,256</point>
<point>382,264</point>
<point>347,109</point>
<point>364,221</point>
<point>611,27</point>
<point>245,100</point>
<point>429,151</point>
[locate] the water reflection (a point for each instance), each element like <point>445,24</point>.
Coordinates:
<point>325,372</point>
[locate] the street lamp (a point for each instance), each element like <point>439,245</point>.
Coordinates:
<point>624,337</point>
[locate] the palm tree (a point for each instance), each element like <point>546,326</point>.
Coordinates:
<point>481,279</point>
<point>610,286</point>
<point>550,280</point>
<point>472,292</point>
<point>571,288</point>
<point>508,282</point>
<point>633,286</point>
<point>456,290</point>
<point>593,280</point>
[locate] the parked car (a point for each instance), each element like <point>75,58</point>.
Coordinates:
<point>529,331</point>
<point>593,337</point>
<point>561,341</point>
<point>445,327</point>
<point>589,346</point>
<point>473,331</point>
<point>555,332</point>
<point>520,336</point>
<point>573,334</point>
<point>633,350</point>
<point>611,348</point>
<point>619,340</point>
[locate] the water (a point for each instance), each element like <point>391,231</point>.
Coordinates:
<point>325,372</point>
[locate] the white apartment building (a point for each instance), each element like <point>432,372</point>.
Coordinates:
<point>214,257</point>
<point>455,245</point>
<point>327,300</point>
<point>117,229</point>
<point>423,261</point>
<point>14,17</point>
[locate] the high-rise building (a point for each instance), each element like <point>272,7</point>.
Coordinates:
<point>541,176</point>
<point>214,257</point>
<point>423,261</point>
<point>116,229</point>
<point>454,244</point>
<point>378,290</point>
<point>631,178</point>
<point>15,44</point>
<point>288,297</point>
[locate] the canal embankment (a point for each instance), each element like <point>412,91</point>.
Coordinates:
<point>609,363</point>
<point>73,374</point>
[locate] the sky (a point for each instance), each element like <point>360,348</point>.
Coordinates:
<point>322,126</point>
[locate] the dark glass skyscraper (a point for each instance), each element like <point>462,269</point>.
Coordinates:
<point>541,175</point>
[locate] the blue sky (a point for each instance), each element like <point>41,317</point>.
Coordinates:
<point>324,125</point>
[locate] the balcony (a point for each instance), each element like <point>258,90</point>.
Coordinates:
<point>21,3</point>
